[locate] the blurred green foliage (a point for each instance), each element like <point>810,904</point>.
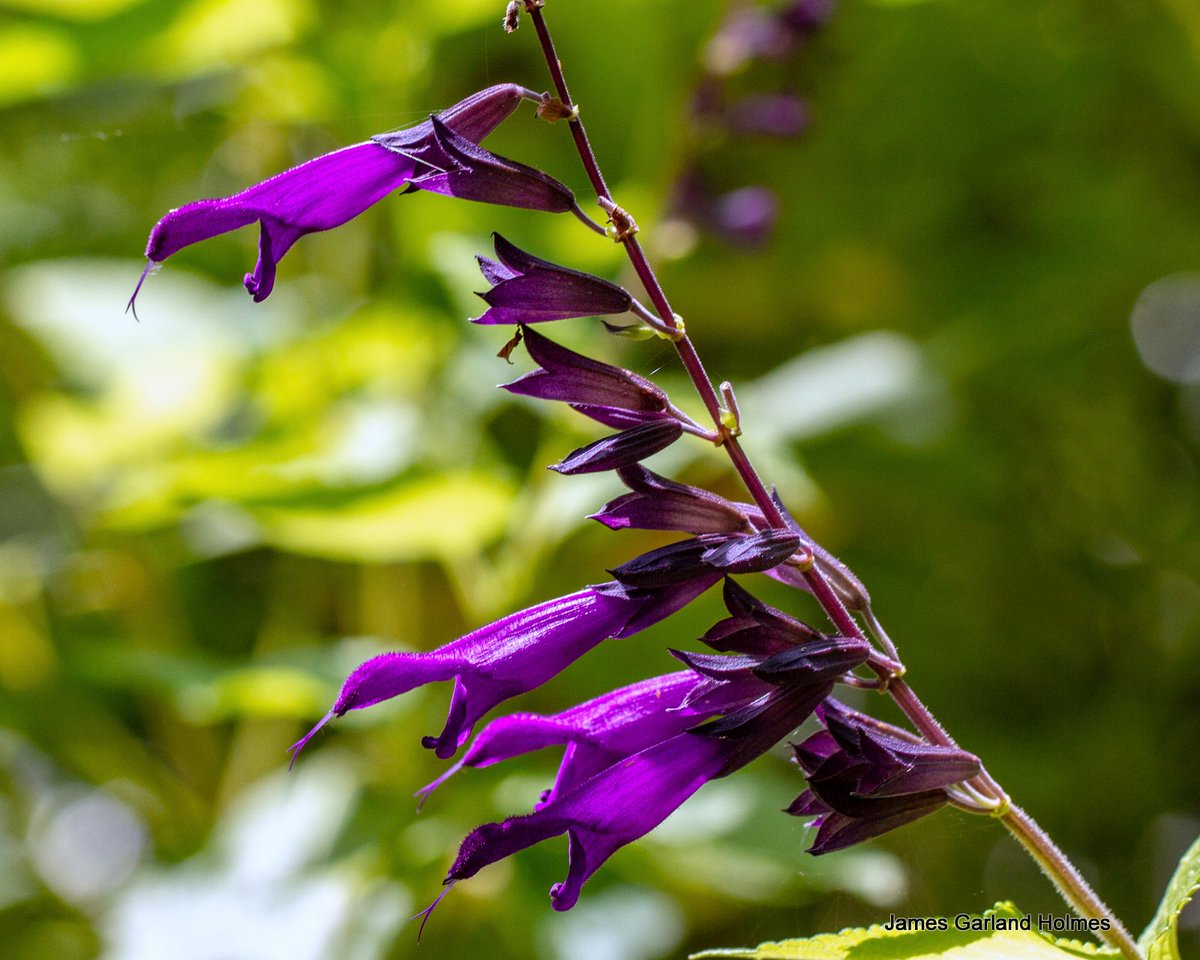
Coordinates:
<point>208,518</point>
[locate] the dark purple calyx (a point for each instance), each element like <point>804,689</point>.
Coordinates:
<point>657,503</point>
<point>609,394</point>
<point>866,777</point>
<point>526,289</point>
<point>470,172</point>
<point>720,553</point>
<point>755,627</point>
<point>621,449</point>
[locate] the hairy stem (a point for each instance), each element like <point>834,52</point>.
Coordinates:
<point>1054,863</point>
<point>1067,879</point>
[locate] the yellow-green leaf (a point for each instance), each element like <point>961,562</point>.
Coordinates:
<point>1160,941</point>
<point>1002,933</point>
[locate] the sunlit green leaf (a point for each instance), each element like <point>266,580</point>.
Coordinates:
<point>1160,940</point>
<point>443,516</point>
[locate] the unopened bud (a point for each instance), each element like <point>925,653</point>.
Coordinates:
<point>512,16</point>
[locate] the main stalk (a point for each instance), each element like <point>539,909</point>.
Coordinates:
<point>1054,863</point>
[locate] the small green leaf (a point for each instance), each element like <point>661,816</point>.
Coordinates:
<point>1160,941</point>
<point>1002,933</point>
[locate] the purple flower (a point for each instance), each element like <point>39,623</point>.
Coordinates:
<point>866,777</point>
<point>325,192</point>
<point>774,115</point>
<point>509,657</point>
<point>603,392</point>
<point>597,733</point>
<point>526,289</point>
<point>630,797</point>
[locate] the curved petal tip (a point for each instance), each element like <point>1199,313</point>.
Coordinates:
<point>300,744</point>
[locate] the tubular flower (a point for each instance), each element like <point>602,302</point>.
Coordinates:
<point>634,794</point>
<point>597,733</point>
<point>526,289</point>
<point>328,191</point>
<point>511,656</point>
<point>634,755</point>
<point>866,777</point>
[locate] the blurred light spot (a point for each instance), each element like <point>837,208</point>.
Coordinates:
<point>1166,327</point>
<point>876,877</point>
<point>264,890</point>
<point>34,61</point>
<point>214,33</point>
<point>215,528</point>
<point>834,386</point>
<point>625,923</point>
<point>716,811</point>
<point>85,847</point>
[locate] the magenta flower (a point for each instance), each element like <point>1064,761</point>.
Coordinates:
<point>326,192</point>
<point>866,777</point>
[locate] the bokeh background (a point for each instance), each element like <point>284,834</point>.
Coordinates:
<point>969,355</point>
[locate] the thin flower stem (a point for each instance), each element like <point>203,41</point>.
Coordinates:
<point>1062,873</point>
<point>1066,879</point>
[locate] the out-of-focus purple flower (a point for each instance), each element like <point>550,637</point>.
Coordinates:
<point>657,503</point>
<point>744,217</point>
<point>511,656</point>
<point>806,17</point>
<point>613,396</point>
<point>469,172</point>
<point>325,192</point>
<point>720,552</point>
<point>621,449</point>
<point>866,777</point>
<point>632,796</point>
<point>772,115</point>
<point>527,289</point>
<point>749,33</point>
<point>747,216</point>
